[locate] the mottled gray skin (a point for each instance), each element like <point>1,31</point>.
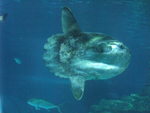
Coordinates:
<point>82,56</point>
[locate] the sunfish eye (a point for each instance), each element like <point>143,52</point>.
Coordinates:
<point>107,49</point>
<point>121,46</point>
<point>104,48</point>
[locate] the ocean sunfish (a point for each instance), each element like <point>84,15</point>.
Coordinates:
<point>81,56</point>
<point>40,103</point>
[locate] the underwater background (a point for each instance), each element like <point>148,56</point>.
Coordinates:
<point>23,74</point>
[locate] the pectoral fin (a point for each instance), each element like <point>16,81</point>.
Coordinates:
<point>77,84</point>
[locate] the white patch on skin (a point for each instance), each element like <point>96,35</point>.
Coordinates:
<point>95,65</point>
<point>115,48</point>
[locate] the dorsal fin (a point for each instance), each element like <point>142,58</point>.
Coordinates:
<point>69,23</point>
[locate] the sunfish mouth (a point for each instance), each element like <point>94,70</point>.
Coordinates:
<point>87,64</point>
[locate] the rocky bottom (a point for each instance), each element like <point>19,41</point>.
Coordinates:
<point>133,103</point>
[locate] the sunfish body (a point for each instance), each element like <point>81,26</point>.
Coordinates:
<point>81,56</point>
<point>40,103</point>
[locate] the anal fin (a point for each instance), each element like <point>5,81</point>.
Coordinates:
<point>77,84</point>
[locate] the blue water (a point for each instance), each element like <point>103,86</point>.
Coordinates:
<point>28,25</point>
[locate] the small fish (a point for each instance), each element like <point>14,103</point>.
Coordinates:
<point>17,61</point>
<point>40,103</point>
<point>3,17</point>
